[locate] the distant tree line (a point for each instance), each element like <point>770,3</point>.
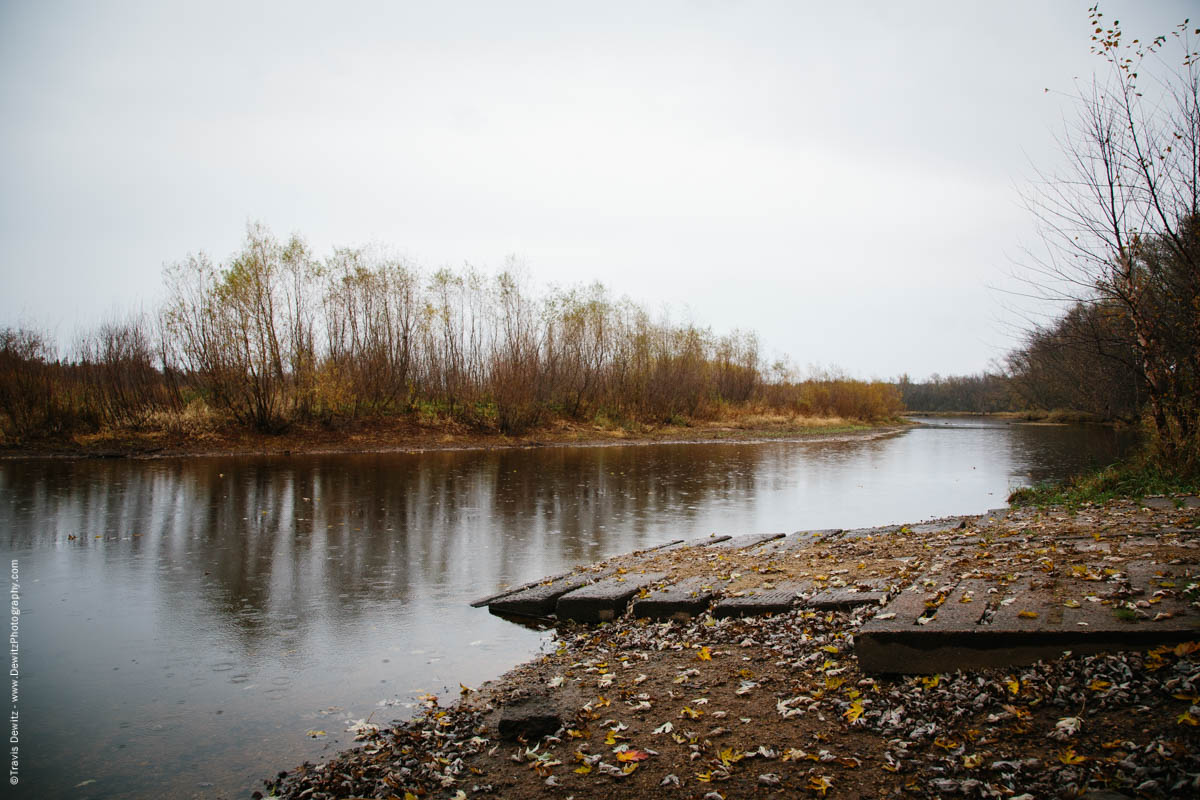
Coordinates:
<point>984,393</point>
<point>275,337</point>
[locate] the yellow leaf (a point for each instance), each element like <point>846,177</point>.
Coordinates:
<point>728,756</point>
<point>1186,718</point>
<point>1027,614</point>
<point>1069,757</point>
<point>632,755</point>
<point>830,649</point>
<point>930,682</point>
<point>705,654</point>
<point>574,734</point>
<point>1013,686</point>
<point>973,761</point>
<point>1186,648</point>
<point>629,768</point>
<point>945,744</point>
<point>854,711</point>
<point>704,777</point>
<point>581,770</point>
<point>820,783</point>
<point>314,734</point>
<point>1019,713</point>
<point>1098,685</point>
<point>690,713</point>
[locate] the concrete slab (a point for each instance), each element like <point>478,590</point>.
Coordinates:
<point>862,533</point>
<point>938,526</point>
<point>539,600</point>
<point>993,516</point>
<point>762,601</point>
<point>679,543</point>
<point>606,599</point>
<point>846,597</point>
<point>1159,503</point>
<point>681,601</point>
<point>797,541</point>
<point>491,598</point>
<point>671,545</point>
<point>747,541</point>
<point>1033,619</point>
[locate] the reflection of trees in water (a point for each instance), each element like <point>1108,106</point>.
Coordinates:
<point>1048,452</point>
<point>271,547</point>
<point>262,539</point>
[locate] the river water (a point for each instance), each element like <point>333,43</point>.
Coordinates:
<point>190,626</point>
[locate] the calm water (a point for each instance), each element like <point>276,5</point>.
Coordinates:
<point>187,622</point>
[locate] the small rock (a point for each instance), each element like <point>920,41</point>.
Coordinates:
<point>532,719</point>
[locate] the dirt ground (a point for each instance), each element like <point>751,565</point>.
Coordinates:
<point>777,705</point>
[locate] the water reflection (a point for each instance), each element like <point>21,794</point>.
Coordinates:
<point>189,620</point>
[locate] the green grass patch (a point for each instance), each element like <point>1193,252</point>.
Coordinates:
<point>1130,480</point>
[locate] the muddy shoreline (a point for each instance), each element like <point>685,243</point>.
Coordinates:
<point>777,705</point>
<point>406,438</point>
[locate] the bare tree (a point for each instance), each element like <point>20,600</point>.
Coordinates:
<point>1122,221</point>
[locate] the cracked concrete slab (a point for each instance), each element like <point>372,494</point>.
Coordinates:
<point>984,623</point>
<point>606,599</point>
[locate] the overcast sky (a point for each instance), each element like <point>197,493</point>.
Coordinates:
<point>842,178</point>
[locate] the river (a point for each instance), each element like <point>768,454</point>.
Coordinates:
<point>189,626</point>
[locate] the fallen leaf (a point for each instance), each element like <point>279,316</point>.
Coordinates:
<point>1069,757</point>
<point>820,783</point>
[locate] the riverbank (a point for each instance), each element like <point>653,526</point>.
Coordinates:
<point>407,435</point>
<point>740,707</point>
<point>1035,416</point>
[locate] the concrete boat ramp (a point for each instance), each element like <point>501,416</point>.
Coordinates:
<point>941,619</point>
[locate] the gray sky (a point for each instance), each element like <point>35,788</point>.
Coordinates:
<point>841,178</point>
